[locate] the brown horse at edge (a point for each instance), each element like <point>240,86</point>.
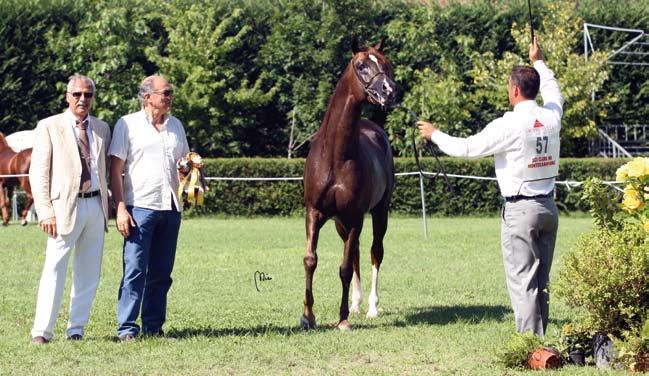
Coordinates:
<point>349,171</point>
<point>14,163</point>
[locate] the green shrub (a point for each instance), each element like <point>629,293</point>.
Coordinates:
<point>607,275</point>
<point>575,336</point>
<point>466,197</point>
<point>518,350</point>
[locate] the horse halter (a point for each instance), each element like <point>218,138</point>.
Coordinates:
<point>374,96</point>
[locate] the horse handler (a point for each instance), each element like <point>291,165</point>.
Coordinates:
<point>68,179</point>
<point>146,147</point>
<point>525,144</point>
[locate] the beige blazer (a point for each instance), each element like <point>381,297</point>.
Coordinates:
<point>55,171</point>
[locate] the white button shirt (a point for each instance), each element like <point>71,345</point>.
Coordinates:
<point>504,137</point>
<point>94,169</point>
<point>150,172</point>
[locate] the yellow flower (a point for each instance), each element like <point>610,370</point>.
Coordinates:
<point>645,223</point>
<point>622,173</point>
<point>632,199</point>
<point>638,167</point>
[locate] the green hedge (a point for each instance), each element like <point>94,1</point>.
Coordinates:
<point>468,196</point>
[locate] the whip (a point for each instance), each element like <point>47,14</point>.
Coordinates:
<point>529,8</point>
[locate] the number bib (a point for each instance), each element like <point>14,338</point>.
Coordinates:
<point>541,152</point>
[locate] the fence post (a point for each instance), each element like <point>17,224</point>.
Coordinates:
<point>14,206</point>
<point>423,204</point>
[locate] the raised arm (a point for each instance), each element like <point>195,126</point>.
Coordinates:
<point>550,92</point>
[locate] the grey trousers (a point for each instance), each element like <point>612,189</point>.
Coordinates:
<point>528,234</point>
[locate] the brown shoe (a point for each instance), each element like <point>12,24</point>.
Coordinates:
<point>39,340</point>
<point>127,337</point>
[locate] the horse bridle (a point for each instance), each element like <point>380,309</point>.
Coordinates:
<point>366,84</point>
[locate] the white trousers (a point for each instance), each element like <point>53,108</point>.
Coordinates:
<point>87,239</point>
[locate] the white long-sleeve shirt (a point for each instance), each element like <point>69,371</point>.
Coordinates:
<point>504,138</point>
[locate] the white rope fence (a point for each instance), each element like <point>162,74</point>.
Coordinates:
<point>569,185</point>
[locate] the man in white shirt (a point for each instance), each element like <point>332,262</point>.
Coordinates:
<point>68,179</point>
<point>146,147</point>
<point>525,146</point>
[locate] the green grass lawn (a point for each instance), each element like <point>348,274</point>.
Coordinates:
<point>444,307</point>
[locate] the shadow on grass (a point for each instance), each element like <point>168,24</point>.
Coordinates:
<point>448,315</point>
<point>424,315</point>
<point>236,332</point>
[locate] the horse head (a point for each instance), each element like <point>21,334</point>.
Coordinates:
<point>374,73</point>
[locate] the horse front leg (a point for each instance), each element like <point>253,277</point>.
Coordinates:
<point>346,272</point>
<point>357,293</point>
<point>314,221</point>
<point>357,290</point>
<point>379,227</point>
<point>4,205</point>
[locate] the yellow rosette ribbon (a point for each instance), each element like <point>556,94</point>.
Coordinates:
<point>193,182</point>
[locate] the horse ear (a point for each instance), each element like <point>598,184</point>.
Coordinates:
<point>379,46</point>
<point>355,47</point>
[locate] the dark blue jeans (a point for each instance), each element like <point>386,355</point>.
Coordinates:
<point>149,253</point>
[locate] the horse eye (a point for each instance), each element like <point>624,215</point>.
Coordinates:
<point>361,66</point>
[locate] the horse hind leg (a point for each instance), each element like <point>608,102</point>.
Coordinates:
<point>357,292</point>
<point>29,199</point>
<point>314,221</point>
<point>379,227</point>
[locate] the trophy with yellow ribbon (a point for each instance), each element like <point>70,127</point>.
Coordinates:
<point>192,185</point>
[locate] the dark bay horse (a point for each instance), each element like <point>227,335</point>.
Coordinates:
<point>348,172</point>
<point>14,163</point>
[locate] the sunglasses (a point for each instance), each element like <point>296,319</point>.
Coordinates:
<point>78,94</point>
<point>166,93</point>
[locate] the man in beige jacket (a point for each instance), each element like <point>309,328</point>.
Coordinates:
<point>68,179</point>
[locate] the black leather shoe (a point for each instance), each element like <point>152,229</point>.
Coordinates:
<point>159,333</point>
<point>128,337</point>
<point>75,337</point>
<point>39,340</point>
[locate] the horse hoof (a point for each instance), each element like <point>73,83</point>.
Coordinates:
<point>307,324</point>
<point>344,326</point>
<point>372,314</point>
<point>24,222</point>
<point>5,224</point>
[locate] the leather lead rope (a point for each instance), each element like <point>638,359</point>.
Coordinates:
<point>427,146</point>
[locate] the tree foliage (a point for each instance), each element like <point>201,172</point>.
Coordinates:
<point>247,72</point>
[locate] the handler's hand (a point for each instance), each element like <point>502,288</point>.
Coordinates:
<point>124,221</point>
<point>426,129</point>
<point>535,51</point>
<point>49,226</point>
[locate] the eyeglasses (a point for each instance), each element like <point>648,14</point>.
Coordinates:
<point>166,93</point>
<point>78,94</point>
